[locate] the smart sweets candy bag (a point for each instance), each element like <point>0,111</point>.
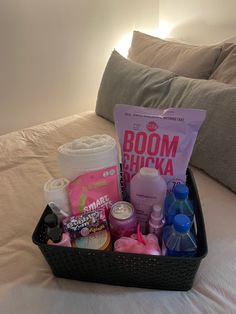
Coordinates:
<point>155,138</point>
<point>94,190</point>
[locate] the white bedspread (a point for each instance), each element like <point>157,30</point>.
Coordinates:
<point>28,158</point>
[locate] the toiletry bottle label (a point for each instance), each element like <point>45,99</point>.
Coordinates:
<point>143,201</point>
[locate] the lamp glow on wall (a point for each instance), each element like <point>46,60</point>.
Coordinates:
<point>164,29</point>
<point>124,43</point>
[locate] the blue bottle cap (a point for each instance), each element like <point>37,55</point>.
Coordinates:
<point>181,191</point>
<point>182,223</point>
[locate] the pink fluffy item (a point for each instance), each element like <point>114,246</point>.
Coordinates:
<point>138,243</point>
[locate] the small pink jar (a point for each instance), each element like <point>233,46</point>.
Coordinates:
<point>122,220</point>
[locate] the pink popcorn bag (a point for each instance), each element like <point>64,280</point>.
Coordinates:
<point>155,138</point>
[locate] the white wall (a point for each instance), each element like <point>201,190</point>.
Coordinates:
<point>199,21</point>
<point>53,53</point>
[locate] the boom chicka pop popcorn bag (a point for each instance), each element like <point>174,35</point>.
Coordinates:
<point>155,138</point>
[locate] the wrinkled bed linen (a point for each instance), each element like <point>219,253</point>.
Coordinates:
<point>28,158</point>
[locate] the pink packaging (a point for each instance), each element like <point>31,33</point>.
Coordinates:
<point>94,190</point>
<point>83,225</point>
<point>155,138</point>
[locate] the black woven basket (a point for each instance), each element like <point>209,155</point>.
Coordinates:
<point>125,269</point>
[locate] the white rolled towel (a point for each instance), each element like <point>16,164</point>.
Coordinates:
<point>88,153</point>
<point>55,190</point>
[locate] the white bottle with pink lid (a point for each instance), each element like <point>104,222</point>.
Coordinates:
<point>147,188</point>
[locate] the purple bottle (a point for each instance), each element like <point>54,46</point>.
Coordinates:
<point>147,188</point>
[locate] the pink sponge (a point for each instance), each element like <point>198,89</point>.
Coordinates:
<point>138,243</point>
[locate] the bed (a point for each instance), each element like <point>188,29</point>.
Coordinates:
<point>29,159</point>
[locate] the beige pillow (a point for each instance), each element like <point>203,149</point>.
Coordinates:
<point>225,71</point>
<point>182,59</point>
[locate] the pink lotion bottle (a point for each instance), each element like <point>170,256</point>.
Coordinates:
<point>147,188</point>
<point>57,237</point>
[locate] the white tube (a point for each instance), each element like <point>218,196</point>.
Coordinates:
<point>55,190</point>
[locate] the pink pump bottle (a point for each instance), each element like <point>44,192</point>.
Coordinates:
<point>147,188</point>
<point>156,222</point>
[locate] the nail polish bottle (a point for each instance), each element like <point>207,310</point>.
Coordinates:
<point>51,220</point>
<point>57,237</point>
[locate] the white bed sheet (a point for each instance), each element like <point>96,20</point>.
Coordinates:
<point>27,159</point>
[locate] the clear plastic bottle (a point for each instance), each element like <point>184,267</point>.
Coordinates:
<point>147,188</point>
<point>178,203</point>
<point>178,240</point>
<point>156,221</point>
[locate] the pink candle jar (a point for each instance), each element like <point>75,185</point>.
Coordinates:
<point>122,220</point>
